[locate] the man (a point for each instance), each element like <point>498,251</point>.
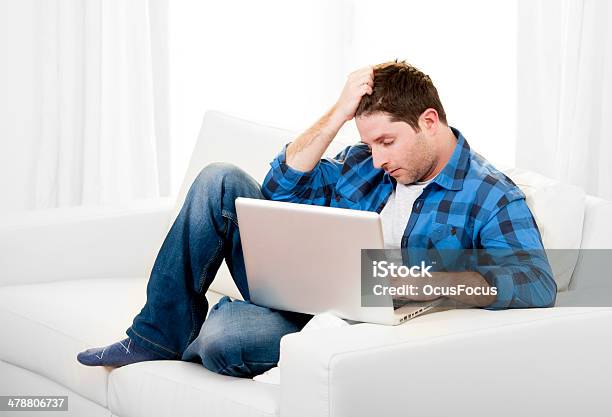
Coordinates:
<point>419,173</point>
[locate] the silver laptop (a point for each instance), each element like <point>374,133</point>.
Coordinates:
<point>307,259</point>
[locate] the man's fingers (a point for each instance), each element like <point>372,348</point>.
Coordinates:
<point>363,89</point>
<point>366,89</point>
<point>366,79</point>
<point>359,83</point>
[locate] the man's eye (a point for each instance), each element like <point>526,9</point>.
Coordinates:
<point>387,143</point>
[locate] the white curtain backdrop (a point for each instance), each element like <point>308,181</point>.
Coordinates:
<point>101,73</point>
<point>565,91</point>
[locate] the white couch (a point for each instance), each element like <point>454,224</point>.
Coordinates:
<point>74,278</point>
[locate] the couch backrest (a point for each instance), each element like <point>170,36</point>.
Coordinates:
<point>597,234</point>
<point>572,224</point>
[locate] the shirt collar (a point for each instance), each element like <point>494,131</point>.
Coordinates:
<point>452,175</point>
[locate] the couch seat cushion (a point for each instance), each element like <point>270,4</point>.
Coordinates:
<point>45,325</point>
<point>164,388</point>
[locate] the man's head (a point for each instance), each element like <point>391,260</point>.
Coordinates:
<point>401,122</point>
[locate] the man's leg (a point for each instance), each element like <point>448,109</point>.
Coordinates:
<point>242,339</point>
<point>204,234</point>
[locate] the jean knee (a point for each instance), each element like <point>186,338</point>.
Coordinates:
<point>222,354</point>
<point>216,172</point>
<point>242,339</point>
<point>222,345</point>
<point>233,180</point>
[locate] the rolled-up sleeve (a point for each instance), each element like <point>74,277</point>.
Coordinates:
<point>520,271</point>
<point>283,183</point>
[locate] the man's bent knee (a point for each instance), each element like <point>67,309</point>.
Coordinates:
<point>242,339</point>
<point>234,180</point>
<point>218,171</point>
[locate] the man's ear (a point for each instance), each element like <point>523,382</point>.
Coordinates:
<point>428,121</point>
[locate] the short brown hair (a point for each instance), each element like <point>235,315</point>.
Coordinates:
<point>402,91</point>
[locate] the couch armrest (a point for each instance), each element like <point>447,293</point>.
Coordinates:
<point>461,362</point>
<point>82,242</point>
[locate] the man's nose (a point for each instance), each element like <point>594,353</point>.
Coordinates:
<point>378,160</point>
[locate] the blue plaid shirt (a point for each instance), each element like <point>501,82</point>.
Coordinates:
<point>468,205</point>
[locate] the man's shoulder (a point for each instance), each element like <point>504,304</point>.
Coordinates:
<point>492,188</point>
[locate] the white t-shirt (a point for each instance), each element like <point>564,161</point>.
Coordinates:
<point>396,213</point>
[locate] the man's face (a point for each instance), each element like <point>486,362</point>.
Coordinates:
<point>396,147</point>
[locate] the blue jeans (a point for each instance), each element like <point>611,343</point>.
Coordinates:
<point>238,338</point>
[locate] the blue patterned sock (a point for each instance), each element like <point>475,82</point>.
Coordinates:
<point>118,354</point>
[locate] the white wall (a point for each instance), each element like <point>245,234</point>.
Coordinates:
<point>285,63</point>
<point>467,47</point>
<point>271,61</point>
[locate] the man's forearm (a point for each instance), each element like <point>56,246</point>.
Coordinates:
<point>304,153</point>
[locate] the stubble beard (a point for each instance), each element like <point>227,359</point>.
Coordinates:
<point>426,165</point>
